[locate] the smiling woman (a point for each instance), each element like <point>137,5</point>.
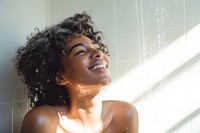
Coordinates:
<point>64,68</point>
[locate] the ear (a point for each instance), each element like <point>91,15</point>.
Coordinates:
<point>60,79</point>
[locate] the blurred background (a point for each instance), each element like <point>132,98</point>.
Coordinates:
<point>155,57</point>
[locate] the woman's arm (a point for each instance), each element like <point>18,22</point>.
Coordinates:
<point>40,120</point>
<point>126,117</point>
<point>132,120</point>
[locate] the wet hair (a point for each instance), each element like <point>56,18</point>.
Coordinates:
<point>39,59</point>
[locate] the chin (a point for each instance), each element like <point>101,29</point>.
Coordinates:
<point>106,82</point>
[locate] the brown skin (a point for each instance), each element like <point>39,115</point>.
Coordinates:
<point>87,113</point>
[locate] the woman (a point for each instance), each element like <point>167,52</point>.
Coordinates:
<point>64,67</point>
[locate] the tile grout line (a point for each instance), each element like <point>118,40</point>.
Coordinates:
<point>13,102</point>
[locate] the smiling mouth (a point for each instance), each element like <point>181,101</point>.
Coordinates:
<point>100,66</point>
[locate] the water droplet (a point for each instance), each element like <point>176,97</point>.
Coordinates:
<point>64,52</point>
<point>157,9</point>
<point>36,98</point>
<point>36,88</point>
<point>38,83</point>
<point>37,71</point>
<point>159,36</point>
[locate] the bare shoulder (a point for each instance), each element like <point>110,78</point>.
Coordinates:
<point>122,107</point>
<point>40,119</point>
<point>125,115</point>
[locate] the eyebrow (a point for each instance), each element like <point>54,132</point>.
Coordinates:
<point>76,45</point>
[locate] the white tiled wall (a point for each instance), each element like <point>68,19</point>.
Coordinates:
<point>138,33</point>
<point>17,19</point>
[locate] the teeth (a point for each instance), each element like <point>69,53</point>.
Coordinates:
<point>98,67</point>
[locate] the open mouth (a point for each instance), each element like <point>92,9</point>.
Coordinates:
<point>99,66</point>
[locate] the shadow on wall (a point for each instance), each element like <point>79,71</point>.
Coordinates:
<point>13,103</point>
<point>6,87</point>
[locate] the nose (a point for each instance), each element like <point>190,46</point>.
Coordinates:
<point>96,54</point>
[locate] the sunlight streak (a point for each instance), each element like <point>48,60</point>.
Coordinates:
<point>164,88</point>
<point>138,80</point>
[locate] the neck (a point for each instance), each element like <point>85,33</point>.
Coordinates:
<point>86,105</point>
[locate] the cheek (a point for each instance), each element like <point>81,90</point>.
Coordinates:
<point>77,71</point>
<point>79,66</point>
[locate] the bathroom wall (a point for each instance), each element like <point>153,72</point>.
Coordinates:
<point>154,56</point>
<point>17,19</point>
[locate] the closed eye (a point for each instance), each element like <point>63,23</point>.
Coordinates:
<point>81,52</point>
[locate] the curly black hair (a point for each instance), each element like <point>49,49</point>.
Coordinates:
<point>39,59</point>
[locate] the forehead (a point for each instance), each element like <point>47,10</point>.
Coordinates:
<point>78,39</point>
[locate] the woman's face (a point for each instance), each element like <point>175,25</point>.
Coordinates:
<point>85,64</point>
